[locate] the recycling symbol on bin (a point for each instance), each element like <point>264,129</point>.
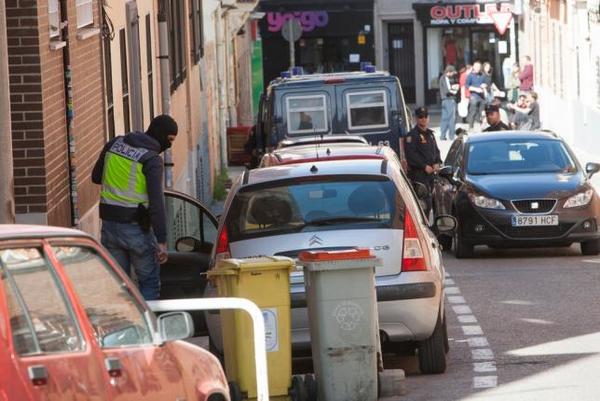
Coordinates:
<point>348,315</point>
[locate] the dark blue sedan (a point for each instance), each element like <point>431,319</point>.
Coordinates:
<point>514,189</point>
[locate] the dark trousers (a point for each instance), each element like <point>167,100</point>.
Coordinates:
<point>476,106</point>
<point>427,180</point>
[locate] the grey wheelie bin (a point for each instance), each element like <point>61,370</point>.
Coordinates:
<point>342,312</point>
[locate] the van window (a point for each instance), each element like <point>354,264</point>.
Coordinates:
<point>328,204</point>
<point>367,109</point>
<point>306,114</point>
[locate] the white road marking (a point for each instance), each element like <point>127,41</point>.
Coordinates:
<point>591,260</point>
<point>467,319</point>
<point>482,354</point>
<point>478,342</point>
<point>484,367</point>
<point>485,381</point>
<point>452,290</point>
<point>472,330</point>
<point>456,299</point>
<point>462,309</point>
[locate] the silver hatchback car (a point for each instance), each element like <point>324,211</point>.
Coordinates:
<point>336,204</point>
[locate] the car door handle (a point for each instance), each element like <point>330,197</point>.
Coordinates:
<point>113,366</point>
<point>38,375</point>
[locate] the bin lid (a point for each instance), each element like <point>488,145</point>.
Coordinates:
<point>327,256</point>
<point>262,263</point>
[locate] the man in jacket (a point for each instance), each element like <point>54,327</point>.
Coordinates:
<point>422,154</point>
<point>132,204</point>
<point>492,115</point>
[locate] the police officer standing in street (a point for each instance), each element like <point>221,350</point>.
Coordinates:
<point>492,115</point>
<point>422,154</point>
<point>132,202</point>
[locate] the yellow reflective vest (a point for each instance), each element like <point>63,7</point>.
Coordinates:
<point>123,181</point>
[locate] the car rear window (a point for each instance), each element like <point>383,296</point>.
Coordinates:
<point>327,204</point>
<point>519,156</point>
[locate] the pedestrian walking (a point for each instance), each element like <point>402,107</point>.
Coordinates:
<point>463,105</point>
<point>422,154</point>
<point>513,84</point>
<point>526,76</point>
<point>476,83</point>
<point>448,91</point>
<point>492,115</point>
<point>132,204</point>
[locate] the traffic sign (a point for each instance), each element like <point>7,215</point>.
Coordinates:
<point>291,30</point>
<point>501,20</point>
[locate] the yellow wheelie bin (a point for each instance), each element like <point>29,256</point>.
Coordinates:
<point>265,281</point>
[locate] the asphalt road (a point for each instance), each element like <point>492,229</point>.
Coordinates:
<point>529,328</point>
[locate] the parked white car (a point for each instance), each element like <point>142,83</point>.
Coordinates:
<point>336,204</point>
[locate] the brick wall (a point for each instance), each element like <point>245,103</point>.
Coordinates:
<point>40,146</point>
<point>26,106</point>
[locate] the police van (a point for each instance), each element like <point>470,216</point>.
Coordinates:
<point>368,103</point>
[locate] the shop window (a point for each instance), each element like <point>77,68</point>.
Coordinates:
<point>53,18</point>
<point>367,109</point>
<point>85,13</point>
<point>306,114</point>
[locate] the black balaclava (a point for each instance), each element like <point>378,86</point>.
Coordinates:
<point>160,128</point>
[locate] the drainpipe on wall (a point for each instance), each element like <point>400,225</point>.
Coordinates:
<point>7,202</point>
<point>165,80</point>
<point>69,115</point>
<point>221,83</point>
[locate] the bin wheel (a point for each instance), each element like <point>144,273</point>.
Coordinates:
<point>311,387</point>
<point>235,392</point>
<point>298,390</point>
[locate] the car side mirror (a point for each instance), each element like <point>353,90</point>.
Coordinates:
<point>175,326</point>
<point>421,190</point>
<point>591,169</point>
<point>445,224</point>
<point>188,244</point>
<point>446,172</point>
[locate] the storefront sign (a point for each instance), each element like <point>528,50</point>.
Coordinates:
<point>309,20</point>
<point>463,14</point>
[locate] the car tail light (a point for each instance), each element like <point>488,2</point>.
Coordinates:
<point>223,251</point>
<point>412,256</point>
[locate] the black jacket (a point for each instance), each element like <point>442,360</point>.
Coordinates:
<point>500,126</point>
<point>153,170</point>
<point>421,150</point>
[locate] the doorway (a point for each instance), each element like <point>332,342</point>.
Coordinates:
<point>401,49</point>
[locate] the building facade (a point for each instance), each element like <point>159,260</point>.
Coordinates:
<point>563,39</point>
<point>58,124</point>
<point>82,72</point>
<point>416,40</point>
<point>335,35</point>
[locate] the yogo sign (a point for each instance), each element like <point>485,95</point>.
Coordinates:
<point>309,20</point>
